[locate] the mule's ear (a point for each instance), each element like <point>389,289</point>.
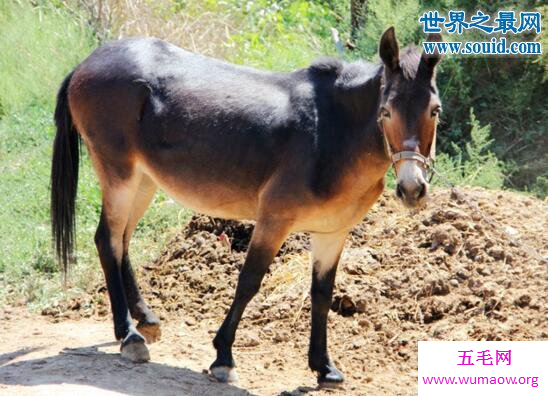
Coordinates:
<point>389,50</point>
<point>434,58</point>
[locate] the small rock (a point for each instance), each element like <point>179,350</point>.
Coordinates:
<point>523,301</point>
<point>511,231</point>
<point>496,252</point>
<point>249,340</point>
<point>353,269</point>
<point>364,323</point>
<point>281,337</point>
<point>447,237</point>
<point>359,343</point>
<point>485,271</point>
<point>488,290</point>
<point>463,274</point>
<point>361,306</point>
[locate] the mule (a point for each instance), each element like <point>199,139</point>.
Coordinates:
<point>301,151</point>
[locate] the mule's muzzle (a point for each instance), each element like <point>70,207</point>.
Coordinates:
<point>411,187</point>
<point>412,194</point>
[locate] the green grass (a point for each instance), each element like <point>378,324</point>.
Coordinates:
<point>40,45</point>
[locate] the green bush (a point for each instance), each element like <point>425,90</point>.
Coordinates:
<point>39,45</point>
<point>281,35</point>
<point>540,187</point>
<point>475,165</point>
<point>381,14</point>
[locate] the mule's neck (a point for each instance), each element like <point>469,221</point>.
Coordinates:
<point>361,106</point>
<point>350,143</point>
<point>373,141</point>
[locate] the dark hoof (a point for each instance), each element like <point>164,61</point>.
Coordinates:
<point>133,348</point>
<point>330,377</point>
<point>224,373</point>
<point>150,330</point>
<point>223,370</point>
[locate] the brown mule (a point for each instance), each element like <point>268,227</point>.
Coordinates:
<point>301,151</point>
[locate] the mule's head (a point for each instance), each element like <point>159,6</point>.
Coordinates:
<point>408,114</point>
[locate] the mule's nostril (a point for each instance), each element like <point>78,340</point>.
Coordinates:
<point>421,191</point>
<point>413,192</point>
<point>399,191</point>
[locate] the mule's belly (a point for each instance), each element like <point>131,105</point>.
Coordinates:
<point>219,199</point>
<point>240,201</point>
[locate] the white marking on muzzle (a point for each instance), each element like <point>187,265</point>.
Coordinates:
<point>411,143</point>
<point>410,174</point>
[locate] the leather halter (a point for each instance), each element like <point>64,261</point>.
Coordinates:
<point>425,162</point>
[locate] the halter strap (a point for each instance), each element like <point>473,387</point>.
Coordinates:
<point>411,155</point>
<point>426,162</point>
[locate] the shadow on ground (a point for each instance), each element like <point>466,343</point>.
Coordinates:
<point>8,357</point>
<point>94,368</point>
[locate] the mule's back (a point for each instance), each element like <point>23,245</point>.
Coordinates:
<point>208,132</point>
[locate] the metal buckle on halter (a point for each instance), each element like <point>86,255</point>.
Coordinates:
<point>412,155</point>
<point>426,162</point>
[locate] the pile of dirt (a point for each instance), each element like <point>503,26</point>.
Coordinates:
<point>471,265</point>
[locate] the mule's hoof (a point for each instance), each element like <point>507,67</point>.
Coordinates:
<point>133,348</point>
<point>224,373</point>
<point>331,377</point>
<point>151,331</point>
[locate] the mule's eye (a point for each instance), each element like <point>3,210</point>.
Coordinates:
<point>385,113</point>
<point>436,111</point>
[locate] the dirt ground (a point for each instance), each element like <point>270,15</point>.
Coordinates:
<point>471,265</point>
<point>79,357</point>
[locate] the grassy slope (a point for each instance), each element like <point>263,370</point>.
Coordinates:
<point>42,45</point>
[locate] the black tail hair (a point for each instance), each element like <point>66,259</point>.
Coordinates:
<point>64,180</point>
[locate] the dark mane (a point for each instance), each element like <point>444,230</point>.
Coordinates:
<point>326,65</point>
<point>356,74</point>
<point>409,62</point>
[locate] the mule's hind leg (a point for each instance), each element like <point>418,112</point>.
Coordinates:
<point>148,323</point>
<point>267,238</point>
<point>117,201</point>
<point>326,250</point>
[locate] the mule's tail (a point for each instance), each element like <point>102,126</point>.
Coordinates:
<point>64,180</point>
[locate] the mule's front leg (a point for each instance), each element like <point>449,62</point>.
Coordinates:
<point>326,250</point>
<point>267,238</point>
